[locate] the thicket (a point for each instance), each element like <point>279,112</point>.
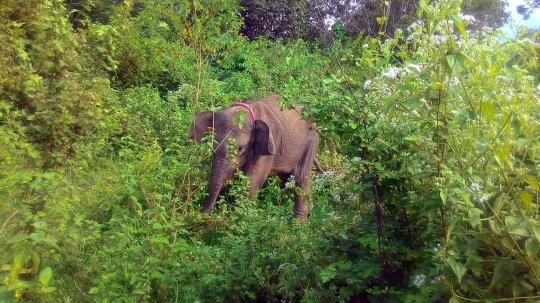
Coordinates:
<point>429,140</point>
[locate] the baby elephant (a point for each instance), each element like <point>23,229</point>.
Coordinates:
<point>270,139</point>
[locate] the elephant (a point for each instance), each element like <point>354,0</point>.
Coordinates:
<point>270,139</point>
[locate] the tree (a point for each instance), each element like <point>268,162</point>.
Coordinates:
<point>486,13</point>
<point>286,19</point>
<point>374,17</point>
<point>526,9</point>
<point>311,19</point>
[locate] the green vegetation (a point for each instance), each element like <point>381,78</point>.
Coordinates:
<point>430,138</point>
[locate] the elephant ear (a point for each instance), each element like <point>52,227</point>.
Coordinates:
<point>202,123</point>
<point>264,142</point>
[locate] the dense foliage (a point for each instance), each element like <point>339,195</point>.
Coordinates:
<point>528,8</point>
<point>429,139</point>
<point>309,19</point>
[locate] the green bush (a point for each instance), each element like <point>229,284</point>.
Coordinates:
<point>429,140</point>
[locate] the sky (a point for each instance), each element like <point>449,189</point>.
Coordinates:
<point>534,20</point>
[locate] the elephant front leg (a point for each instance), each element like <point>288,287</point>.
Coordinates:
<point>257,173</point>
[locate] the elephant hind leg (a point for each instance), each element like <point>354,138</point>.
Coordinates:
<point>302,173</point>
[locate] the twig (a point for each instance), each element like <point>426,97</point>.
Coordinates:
<point>9,218</point>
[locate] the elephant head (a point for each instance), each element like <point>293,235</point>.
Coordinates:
<point>253,139</point>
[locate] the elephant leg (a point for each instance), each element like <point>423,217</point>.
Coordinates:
<point>258,172</point>
<point>302,174</point>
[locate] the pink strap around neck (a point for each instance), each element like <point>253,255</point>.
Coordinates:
<point>248,107</point>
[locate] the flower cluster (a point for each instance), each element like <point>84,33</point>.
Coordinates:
<point>391,73</point>
<point>476,189</point>
<point>419,280</point>
<point>285,265</point>
<point>437,279</point>
<point>291,182</point>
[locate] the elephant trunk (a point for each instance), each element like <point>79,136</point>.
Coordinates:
<point>222,170</point>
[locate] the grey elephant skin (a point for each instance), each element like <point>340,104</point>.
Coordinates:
<point>277,140</point>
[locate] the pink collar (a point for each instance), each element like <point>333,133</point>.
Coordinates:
<point>248,107</point>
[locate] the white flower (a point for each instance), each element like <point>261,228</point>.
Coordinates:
<point>437,279</point>
<point>367,83</point>
<point>417,67</point>
<point>482,199</point>
<point>416,23</point>
<point>419,280</point>
<point>284,265</point>
<point>356,159</point>
<point>467,18</point>
<point>476,186</point>
<point>391,73</point>
<point>328,173</point>
<point>438,39</point>
<point>290,182</point>
<point>538,88</point>
<point>348,198</point>
<point>503,78</point>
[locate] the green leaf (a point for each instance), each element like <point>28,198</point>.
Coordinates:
<point>21,257</point>
<point>517,289</point>
<point>51,242</point>
<point>444,195</point>
<point>520,232</point>
<point>532,182</point>
<point>474,216</point>
<point>160,239</point>
<point>328,273</point>
<point>412,103</point>
<point>455,299</point>
<point>40,224</point>
<point>502,156</point>
<point>45,275</point>
<point>463,193</point>
<point>390,107</point>
<point>93,290</point>
<point>458,268</point>
<point>496,202</point>
<point>19,285</point>
<point>503,270</point>
<point>488,109</point>
<point>18,238</point>
<point>35,261</point>
<point>526,198</point>
<point>48,289</point>
<point>532,246</point>
<point>536,231</point>
<point>37,237</point>
<point>459,24</point>
<point>403,55</point>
